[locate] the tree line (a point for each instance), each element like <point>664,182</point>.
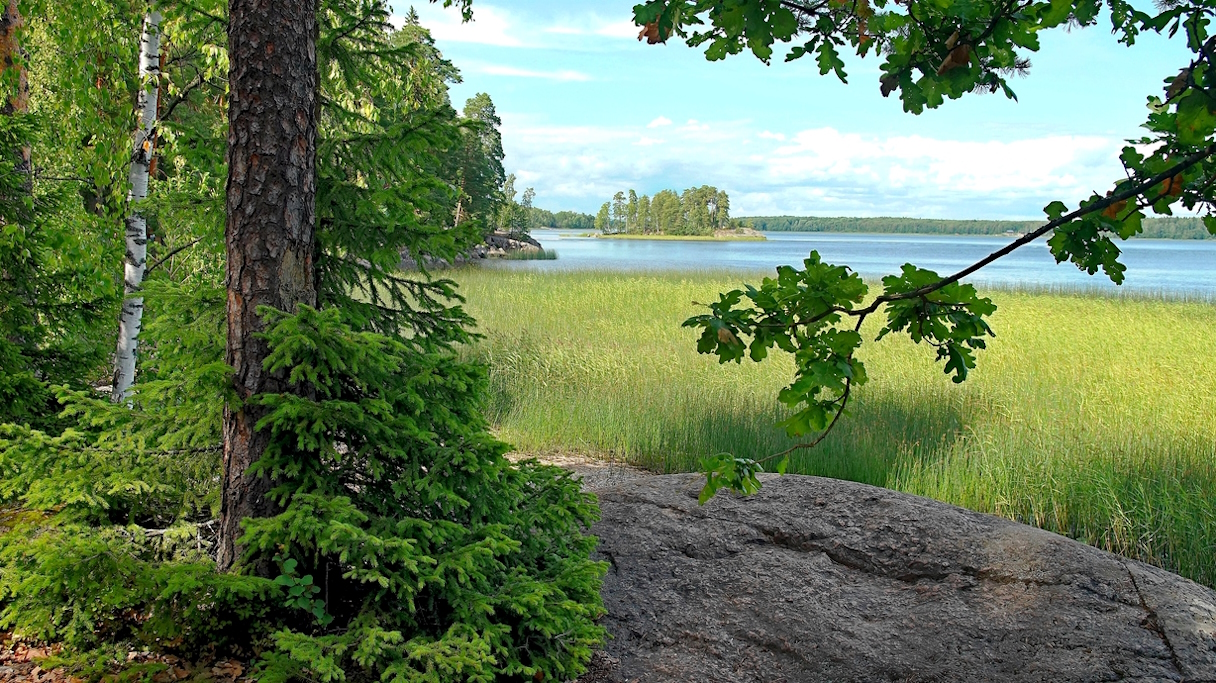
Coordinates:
<point>696,211</point>
<point>561,220</point>
<point>1171,227</point>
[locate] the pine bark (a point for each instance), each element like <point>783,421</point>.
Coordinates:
<point>271,224</point>
<point>131,319</point>
<point>10,57</point>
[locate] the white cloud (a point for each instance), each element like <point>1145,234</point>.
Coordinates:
<point>618,29</point>
<point>502,70</point>
<point>821,171</point>
<point>660,121</point>
<point>490,25</point>
<point>517,27</point>
<point>1033,164</point>
<point>595,26</point>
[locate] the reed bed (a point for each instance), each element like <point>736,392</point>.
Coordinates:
<point>1090,415</point>
<point>537,255</point>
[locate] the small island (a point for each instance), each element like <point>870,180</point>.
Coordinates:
<point>698,213</point>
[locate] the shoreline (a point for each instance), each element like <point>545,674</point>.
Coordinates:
<point>685,238</point>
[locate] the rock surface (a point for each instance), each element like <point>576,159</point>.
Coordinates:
<point>496,245</point>
<point>822,580</point>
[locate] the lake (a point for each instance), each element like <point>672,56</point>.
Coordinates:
<point>1178,267</point>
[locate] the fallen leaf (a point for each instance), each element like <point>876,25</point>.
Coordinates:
<point>227,670</point>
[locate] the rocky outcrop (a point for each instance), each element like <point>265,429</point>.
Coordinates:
<point>499,244</point>
<point>822,580</point>
<point>496,245</point>
<point>738,233</point>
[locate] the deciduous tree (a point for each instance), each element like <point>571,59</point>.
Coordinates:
<point>135,263</point>
<point>931,52</point>
<point>602,219</point>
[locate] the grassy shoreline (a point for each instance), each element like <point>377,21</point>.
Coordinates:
<point>1089,415</point>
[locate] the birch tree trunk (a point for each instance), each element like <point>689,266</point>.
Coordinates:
<point>269,237</point>
<point>131,319</point>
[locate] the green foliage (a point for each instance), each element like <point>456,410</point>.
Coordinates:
<point>302,592</point>
<point>726,471</point>
<point>514,217</point>
<point>602,219</point>
<point>933,51</point>
<point>55,290</point>
<point>561,220</point>
<point>426,535</point>
<point>410,546</point>
<point>698,211</point>
<point>814,314</point>
<point>950,318</point>
<point>478,160</point>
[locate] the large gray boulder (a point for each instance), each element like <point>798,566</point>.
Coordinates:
<point>822,580</point>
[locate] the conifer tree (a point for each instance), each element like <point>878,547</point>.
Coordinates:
<point>271,231</point>
<point>617,224</point>
<point>478,160</point>
<point>631,213</point>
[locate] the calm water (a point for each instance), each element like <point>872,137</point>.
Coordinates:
<point>1172,266</point>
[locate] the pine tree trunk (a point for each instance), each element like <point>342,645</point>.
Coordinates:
<point>270,232</point>
<point>131,318</point>
<point>10,52</point>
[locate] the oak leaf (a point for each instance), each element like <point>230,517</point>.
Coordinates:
<point>959,56</point>
<point>1112,211</point>
<point>651,33</point>
<point>726,336</point>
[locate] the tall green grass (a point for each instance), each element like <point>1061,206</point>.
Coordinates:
<point>1092,416</point>
<point>538,255</point>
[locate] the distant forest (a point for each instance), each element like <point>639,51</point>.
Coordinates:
<point>1160,228</point>
<point>696,211</point>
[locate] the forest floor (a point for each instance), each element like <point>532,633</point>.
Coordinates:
<point>21,663</point>
<point>595,472</point>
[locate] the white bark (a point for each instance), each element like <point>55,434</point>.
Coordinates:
<point>130,321</point>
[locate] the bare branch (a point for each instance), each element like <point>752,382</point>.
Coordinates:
<point>170,255</point>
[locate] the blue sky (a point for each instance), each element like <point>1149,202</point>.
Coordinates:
<point>588,110</point>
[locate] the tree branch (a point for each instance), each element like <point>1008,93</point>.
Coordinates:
<point>171,254</point>
<point>844,401</point>
<point>1035,234</point>
<point>863,313</point>
<point>182,96</point>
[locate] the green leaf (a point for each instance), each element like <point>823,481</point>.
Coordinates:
<point>1195,120</point>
